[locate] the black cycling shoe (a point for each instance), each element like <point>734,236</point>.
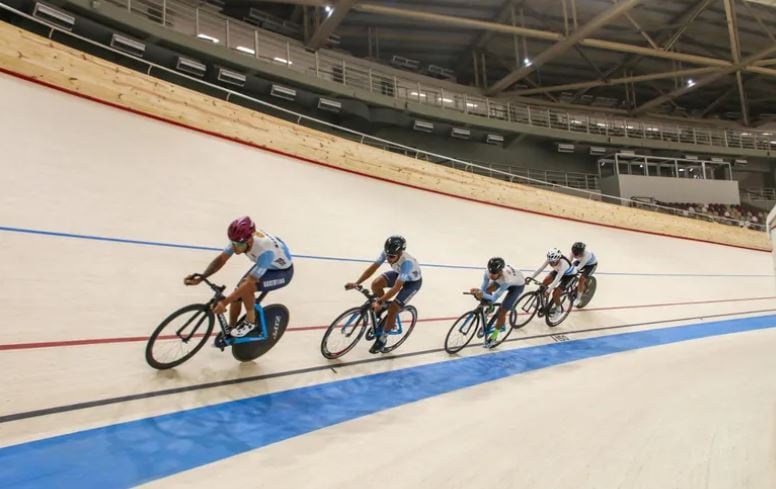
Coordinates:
<point>377,346</point>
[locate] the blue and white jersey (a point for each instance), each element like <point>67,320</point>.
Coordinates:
<point>510,277</point>
<point>406,266</point>
<point>267,253</point>
<point>562,269</point>
<point>587,258</point>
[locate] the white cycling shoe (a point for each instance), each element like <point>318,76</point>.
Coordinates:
<point>242,329</point>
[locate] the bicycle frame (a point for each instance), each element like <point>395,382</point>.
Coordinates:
<point>480,311</point>
<point>219,295</point>
<point>367,307</point>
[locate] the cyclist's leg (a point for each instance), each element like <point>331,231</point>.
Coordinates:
<point>236,307</point>
<point>513,293</point>
<point>547,281</point>
<point>274,280</point>
<point>560,289</point>
<point>379,284</point>
<point>403,298</point>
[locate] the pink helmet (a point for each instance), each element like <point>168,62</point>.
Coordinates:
<point>241,229</point>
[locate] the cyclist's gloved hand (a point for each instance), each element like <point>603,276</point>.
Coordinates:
<point>192,280</point>
<point>350,285</point>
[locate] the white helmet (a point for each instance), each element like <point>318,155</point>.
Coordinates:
<point>554,254</point>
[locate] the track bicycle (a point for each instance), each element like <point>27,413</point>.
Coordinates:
<point>184,332</point>
<point>347,329</point>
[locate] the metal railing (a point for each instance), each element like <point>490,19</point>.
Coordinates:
<point>367,139</point>
<point>205,22</point>
<point>760,193</point>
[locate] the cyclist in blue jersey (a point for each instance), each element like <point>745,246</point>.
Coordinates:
<point>586,263</point>
<point>272,269</point>
<point>500,278</point>
<point>404,281</point>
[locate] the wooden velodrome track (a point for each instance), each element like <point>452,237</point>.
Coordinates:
<point>103,211</point>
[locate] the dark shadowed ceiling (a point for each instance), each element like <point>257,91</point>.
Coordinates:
<point>697,58</point>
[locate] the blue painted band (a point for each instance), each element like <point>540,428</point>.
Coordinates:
<point>332,258</point>
<point>135,452</point>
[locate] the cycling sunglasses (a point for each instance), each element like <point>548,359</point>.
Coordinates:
<point>240,245</point>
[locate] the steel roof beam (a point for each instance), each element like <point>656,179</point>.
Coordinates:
<point>685,21</point>
<point>549,36</point>
<point>706,80</point>
<point>735,50</point>
<point>327,27</point>
<point>616,81</point>
<point>563,45</point>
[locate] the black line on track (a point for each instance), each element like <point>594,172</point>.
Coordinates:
<point>209,385</point>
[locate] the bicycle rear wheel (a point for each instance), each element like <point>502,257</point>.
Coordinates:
<point>344,332</point>
<point>590,285</point>
<point>405,320</point>
<point>524,310</point>
<point>461,332</point>
<point>180,336</point>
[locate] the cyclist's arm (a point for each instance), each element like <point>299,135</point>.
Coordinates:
<point>263,262</point>
<point>558,277</point>
<point>404,274</point>
<point>248,284</point>
<point>216,264</point>
<point>392,291</point>
<point>583,260</point>
<point>495,295</point>
<point>368,272</point>
<point>485,283</point>
<point>540,269</point>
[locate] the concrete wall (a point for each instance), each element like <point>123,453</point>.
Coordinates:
<point>673,189</point>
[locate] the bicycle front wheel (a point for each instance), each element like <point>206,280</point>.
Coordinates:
<point>461,332</point>
<point>180,336</point>
<point>566,303</point>
<point>405,323</point>
<point>343,333</point>
<point>524,310</point>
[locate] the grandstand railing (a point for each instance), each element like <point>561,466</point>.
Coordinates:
<point>370,140</point>
<point>204,21</point>
<point>761,193</point>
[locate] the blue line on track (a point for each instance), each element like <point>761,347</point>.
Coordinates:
<point>135,452</point>
<point>331,258</point>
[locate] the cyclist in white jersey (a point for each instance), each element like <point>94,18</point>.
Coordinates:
<point>272,269</point>
<point>558,279</point>
<point>499,278</point>
<point>586,263</point>
<point>404,281</point>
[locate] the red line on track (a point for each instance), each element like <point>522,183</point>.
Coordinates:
<point>137,339</point>
<point>327,165</point>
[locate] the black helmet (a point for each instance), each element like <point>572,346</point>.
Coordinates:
<point>496,264</point>
<point>578,247</point>
<point>394,245</point>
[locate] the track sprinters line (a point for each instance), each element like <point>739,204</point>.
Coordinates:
<point>288,373</point>
<point>136,339</point>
